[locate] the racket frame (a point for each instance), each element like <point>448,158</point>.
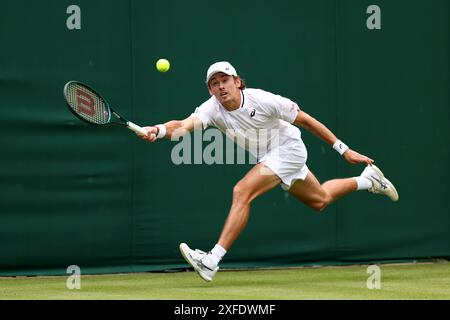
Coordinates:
<point>123,121</point>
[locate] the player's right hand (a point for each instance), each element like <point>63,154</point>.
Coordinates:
<point>151,134</point>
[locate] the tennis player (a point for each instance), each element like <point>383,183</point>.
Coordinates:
<point>234,108</point>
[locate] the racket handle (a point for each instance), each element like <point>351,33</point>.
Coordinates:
<point>139,130</point>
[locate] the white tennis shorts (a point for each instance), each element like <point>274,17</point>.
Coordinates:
<point>288,162</point>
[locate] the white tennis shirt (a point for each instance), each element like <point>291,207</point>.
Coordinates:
<point>262,123</point>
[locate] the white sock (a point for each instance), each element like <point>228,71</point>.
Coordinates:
<point>214,257</point>
<point>363,183</point>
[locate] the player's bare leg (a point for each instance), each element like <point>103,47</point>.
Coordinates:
<point>317,196</point>
<point>256,182</point>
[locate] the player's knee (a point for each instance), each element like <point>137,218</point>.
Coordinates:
<point>240,193</point>
<point>320,205</point>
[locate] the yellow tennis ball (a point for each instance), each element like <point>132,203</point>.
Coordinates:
<point>162,65</point>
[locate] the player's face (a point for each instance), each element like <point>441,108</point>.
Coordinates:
<point>226,89</point>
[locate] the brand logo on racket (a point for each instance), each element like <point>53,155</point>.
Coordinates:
<point>85,103</point>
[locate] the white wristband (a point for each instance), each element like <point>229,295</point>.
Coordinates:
<point>340,147</point>
<point>161,131</point>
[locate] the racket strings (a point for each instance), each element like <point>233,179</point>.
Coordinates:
<point>87,104</point>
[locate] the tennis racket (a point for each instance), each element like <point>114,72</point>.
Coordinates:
<point>89,106</point>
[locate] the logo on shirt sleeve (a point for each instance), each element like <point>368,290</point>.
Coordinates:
<point>252,114</point>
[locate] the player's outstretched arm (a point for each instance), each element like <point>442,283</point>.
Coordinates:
<point>319,129</point>
<point>174,128</point>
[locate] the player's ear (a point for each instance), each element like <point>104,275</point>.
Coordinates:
<point>209,90</point>
<point>237,81</point>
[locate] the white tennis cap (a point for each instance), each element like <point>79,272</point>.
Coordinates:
<point>222,66</point>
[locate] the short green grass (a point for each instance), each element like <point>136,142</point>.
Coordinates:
<point>423,281</point>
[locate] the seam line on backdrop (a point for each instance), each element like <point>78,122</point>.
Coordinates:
<point>336,87</point>
<point>133,157</point>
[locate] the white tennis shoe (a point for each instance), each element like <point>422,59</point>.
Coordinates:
<point>380,184</point>
<point>195,259</point>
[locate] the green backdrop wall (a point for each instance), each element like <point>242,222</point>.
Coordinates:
<point>106,201</point>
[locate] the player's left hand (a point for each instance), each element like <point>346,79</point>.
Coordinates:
<point>354,157</point>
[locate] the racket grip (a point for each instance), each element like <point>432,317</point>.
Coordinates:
<point>139,130</point>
